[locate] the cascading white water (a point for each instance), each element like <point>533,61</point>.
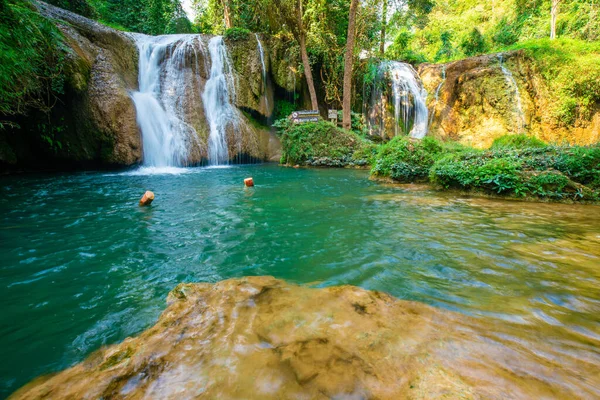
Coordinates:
<point>437,96</point>
<point>217,103</point>
<point>407,98</point>
<point>510,79</point>
<point>261,52</point>
<point>166,137</point>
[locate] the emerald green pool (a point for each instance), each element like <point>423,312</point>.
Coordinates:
<point>83,266</point>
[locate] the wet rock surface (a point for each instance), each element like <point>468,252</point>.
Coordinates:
<point>95,122</point>
<point>477,102</point>
<point>259,337</point>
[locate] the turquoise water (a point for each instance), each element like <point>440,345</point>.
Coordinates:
<point>83,266</point>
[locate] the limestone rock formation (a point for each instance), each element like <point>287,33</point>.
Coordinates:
<point>261,338</point>
<point>478,102</point>
<point>96,121</point>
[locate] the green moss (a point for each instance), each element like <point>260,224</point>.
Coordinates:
<point>517,142</point>
<point>571,71</point>
<point>303,142</point>
<point>117,358</point>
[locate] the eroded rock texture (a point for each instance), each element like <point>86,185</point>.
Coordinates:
<point>477,102</point>
<point>261,338</point>
<point>94,122</point>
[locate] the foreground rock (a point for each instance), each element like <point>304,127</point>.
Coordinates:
<point>261,338</point>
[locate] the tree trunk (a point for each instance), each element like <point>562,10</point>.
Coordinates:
<point>305,61</point>
<point>227,14</point>
<point>554,17</point>
<point>383,27</point>
<point>348,62</point>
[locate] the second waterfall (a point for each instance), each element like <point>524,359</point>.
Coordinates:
<point>396,104</point>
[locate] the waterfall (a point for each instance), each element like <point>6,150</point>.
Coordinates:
<point>261,52</point>
<point>510,79</point>
<point>437,96</point>
<point>406,96</point>
<point>217,102</point>
<point>166,136</point>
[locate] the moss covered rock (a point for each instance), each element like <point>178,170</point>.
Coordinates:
<point>480,101</point>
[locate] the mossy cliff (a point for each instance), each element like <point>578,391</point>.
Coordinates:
<point>259,337</point>
<point>93,121</point>
<point>558,99</point>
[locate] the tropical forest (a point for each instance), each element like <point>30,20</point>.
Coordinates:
<point>300,199</point>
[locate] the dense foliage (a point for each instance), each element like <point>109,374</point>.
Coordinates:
<point>145,16</point>
<point>31,61</point>
<point>448,30</point>
<point>549,172</point>
<point>571,71</point>
<point>517,165</point>
<point>321,143</point>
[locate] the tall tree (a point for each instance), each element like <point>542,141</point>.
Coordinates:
<point>348,63</point>
<point>553,17</point>
<point>227,14</point>
<point>301,38</point>
<point>384,11</point>
<point>290,13</point>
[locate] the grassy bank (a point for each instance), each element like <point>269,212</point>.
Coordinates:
<point>515,166</point>
<point>571,71</point>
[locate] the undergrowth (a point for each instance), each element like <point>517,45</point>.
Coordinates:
<point>515,166</point>
<point>302,143</point>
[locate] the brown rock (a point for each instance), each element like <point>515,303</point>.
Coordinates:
<point>477,104</point>
<point>261,338</point>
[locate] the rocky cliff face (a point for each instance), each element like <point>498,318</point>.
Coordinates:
<point>94,121</point>
<point>259,337</point>
<point>482,98</point>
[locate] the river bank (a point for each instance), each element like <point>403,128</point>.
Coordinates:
<point>515,166</point>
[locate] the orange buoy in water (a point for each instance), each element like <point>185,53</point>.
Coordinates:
<point>147,198</point>
<point>249,182</point>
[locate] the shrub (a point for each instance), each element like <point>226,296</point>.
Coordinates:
<point>517,142</point>
<point>580,164</point>
<point>303,142</point>
<point>365,154</point>
<point>283,109</point>
<point>548,184</point>
<point>499,175</point>
<point>474,43</point>
<point>237,34</point>
<point>418,156</point>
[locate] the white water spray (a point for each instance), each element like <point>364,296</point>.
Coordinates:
<point>407,97</point>
<point>510,79</point>
<point>217,102</point>
<point>166,137</point>
<point>437,96</point>
<point>261,52</point>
